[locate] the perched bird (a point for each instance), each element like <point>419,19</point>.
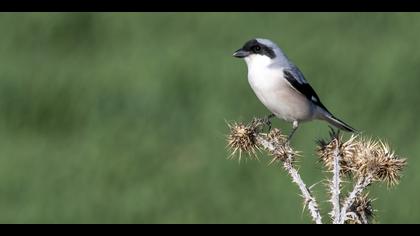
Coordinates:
<point>281,86</point>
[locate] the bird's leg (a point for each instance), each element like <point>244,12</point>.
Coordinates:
<point>268,122</point>
<point>295,127</point>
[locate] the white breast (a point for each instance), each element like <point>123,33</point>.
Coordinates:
<point>277,95</point>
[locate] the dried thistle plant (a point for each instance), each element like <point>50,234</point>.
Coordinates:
<point>242,138</point>
<point>346,150</point>
<point>376,159</point>
<point>361,212</point>
<point>249,137</point>
<point>363,161</point>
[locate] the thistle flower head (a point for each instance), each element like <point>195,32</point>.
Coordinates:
<point>377,159</point>
<point>347,151</point>
<point>362,157</point>
<point>283,149</point>
<point>247,138</point>
<point>242,138</point>
<point>362,208</point>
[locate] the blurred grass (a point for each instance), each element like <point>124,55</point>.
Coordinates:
<point>120,118</point>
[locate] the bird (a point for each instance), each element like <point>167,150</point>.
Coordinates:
<point>282,87</point>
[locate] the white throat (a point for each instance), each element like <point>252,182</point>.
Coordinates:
<point>258,62</point>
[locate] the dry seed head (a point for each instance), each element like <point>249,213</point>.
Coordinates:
<point>242,138</point>
<point>353,219</point>
<point>283,149</point>
<point>362,157</point>
<point>377,159</point>
<point>347,151</point>
<point>362,207</point>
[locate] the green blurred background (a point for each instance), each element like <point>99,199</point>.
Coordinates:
<point>120,118</point>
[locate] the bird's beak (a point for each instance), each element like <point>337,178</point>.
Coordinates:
<point>240,53</point>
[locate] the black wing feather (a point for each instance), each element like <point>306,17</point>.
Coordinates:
<point>303,88</point>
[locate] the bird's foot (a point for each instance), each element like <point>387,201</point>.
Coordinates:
<point>267,121</point>
<point>289,138</point>
<point>295,127</point>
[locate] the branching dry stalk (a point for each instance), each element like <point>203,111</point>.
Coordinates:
<point>364,160</point>
<point>286,156</point>
<point>306,193</point>
<point>335,186</point>
<point>361,185</point>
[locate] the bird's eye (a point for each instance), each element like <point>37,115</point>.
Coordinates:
<point>257,48</point>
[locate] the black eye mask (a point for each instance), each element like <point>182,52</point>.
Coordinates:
<point>254,47</point>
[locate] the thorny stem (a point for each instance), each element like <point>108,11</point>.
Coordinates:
<point>361,184</point>
<point>335,187</point>
<point>288,166</point>
<point>309,199</point>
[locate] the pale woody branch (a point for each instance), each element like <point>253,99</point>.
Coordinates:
<point>287,160</point>
<point>335,187</point>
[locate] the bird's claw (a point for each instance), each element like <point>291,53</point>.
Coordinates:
<point>288,139</point>
<point>267,121</point>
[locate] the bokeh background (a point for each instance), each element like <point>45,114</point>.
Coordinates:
<point>120,117</point>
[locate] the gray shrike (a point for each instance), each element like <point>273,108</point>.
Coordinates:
<point>281,86</point>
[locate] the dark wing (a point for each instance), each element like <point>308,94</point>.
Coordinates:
<point>298,82</point>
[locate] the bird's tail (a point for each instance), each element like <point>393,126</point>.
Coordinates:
<point>337,122</point>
